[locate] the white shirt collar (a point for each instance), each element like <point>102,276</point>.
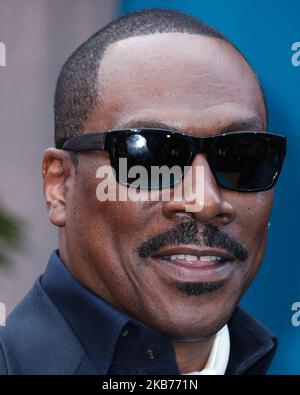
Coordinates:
<point>219,355</point>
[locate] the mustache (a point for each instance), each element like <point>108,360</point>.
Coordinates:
<point>192,232</point>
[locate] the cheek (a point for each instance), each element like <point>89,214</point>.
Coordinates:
<point>117,222</point>
<point>253,214</point>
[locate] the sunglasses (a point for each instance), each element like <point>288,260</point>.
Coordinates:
<point>240,161</point>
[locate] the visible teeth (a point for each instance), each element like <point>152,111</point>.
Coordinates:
<point>205,258</point>
<point>191,257</point>
<point>210,258</point>
<point>174,257</point>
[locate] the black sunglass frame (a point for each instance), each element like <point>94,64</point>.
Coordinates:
<point>203,144</point>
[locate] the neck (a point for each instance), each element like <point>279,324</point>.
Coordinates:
<point>192,356</point>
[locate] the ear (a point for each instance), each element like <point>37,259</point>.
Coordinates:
<point>57,167</point>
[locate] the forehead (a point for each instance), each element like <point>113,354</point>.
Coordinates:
<point>187,81</point>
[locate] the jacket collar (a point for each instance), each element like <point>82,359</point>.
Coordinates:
<point>252,345</point>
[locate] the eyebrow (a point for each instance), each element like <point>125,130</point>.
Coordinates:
<point>250,124</point>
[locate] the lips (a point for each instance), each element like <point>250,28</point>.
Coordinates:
<point>194,264</point>
<point>194,256</point>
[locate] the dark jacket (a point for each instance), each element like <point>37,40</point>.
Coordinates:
<point>38,340</point>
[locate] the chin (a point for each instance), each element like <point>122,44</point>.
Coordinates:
<point>197,323</point>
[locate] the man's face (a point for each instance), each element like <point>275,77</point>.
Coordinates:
<point>202,87</point>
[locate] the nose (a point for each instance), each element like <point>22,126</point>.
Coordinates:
<point>215,208</point>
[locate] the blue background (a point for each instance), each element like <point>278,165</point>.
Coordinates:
<point>264,30</point>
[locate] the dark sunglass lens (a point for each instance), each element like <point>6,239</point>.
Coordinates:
<point>150,159</point>
<point>249,162</point>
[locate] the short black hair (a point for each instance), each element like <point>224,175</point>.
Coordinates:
<point>76,92</point>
